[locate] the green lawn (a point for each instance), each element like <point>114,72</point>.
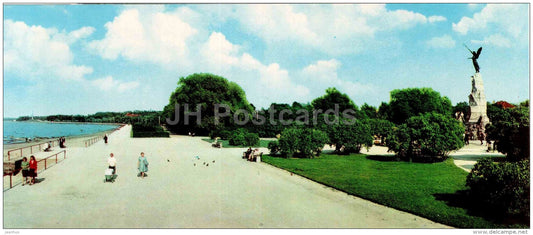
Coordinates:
<point>428,190</point>
<point>225,143</point>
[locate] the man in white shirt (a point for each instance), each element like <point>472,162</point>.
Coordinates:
<point>112,161</point>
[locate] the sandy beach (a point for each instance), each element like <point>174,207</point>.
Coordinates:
<point>182,192</point>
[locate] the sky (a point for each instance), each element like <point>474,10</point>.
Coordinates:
<point>87,58</point>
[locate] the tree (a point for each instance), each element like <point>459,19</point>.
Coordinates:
<point>384,111</point>
<point>502,187</point>
<point>369,111</point>
<point>302,142</point>
<point>380,128</point>
<point>406,103</point>
<point>510,131</point>
<point>429,136</point>
<point>334,97</point>
<point>352,136</point>
<point>205,90</point>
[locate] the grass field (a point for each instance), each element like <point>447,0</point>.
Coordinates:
<point>225,143</point>
<point>427,190</point>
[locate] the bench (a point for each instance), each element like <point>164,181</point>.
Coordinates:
<point>257,157</point>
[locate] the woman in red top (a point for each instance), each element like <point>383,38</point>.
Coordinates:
<point>33,169</point>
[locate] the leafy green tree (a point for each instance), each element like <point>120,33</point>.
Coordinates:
<point>431,135</point>
<point>369,111</point>
<point>335,97</point>
<point>205,91</point>
<point>384,111</point>
<point>406,103</point>
<point>502,187</point>
<point>510,131</point>
<point>302,142</point>
<point>380,128</point>
<point>353,136</point>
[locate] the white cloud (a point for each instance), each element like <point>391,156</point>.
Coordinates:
<point>276,23</point>
<point>323,74</point>
<point>504,18</point>
<point>433,19</point>
<point>109,84</point>
<point>445,41</point>
<point>322,70</point>
<point>152,36</point>
<point>125,86</point>
<point>496,40</point>
<point>35,52</point>
<point>218,52</point>
<point>335,29</point>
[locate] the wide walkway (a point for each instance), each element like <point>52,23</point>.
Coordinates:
<point>182,192</point>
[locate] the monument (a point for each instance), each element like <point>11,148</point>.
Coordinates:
<point>478,104</point>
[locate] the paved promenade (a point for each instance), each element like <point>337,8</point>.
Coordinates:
<point>229,193</point>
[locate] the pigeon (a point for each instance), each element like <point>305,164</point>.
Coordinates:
<point>207,164</point>
<point>213,161</point>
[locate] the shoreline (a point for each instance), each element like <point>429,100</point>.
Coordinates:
<point>70,141</point>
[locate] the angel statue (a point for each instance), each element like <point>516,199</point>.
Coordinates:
<point>474,57</point>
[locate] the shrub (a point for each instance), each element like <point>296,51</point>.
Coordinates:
<point>352,136</point>
<point>273,146</point>
<point>510,132</point>
<point>428,137</point>
<point>503,187</point>
<point>241,137</point>
<point>148,130</point>
<point>237,139</point>
<point>302,142</point>
<point>251,139</point>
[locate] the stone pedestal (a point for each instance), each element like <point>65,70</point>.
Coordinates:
<point>478,106</point>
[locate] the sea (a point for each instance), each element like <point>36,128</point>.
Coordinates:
<point>17,132</point>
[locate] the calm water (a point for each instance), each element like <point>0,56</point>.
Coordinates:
<point>15,131</point>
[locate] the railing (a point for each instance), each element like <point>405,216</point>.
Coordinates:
<point>91,141</point>
<point>19,152</point>
<point>42,164</point>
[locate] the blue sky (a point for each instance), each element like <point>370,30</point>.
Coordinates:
<point>81,59</point>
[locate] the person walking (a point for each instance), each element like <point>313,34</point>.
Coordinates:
<point>105,138</point>
<point>33,169</point>
<point>142,165</point>
<point>25,165</point>
<point>112,161</point>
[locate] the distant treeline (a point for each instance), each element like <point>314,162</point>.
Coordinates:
<point>128,117</point>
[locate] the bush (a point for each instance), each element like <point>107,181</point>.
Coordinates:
<point>137,134</point>
<point>428,137</point>
<point>148,130</point>
<point>503,187</point>
<point>510,132</point>
<point>273,146</point>
<point>237,139</point>
<point>352,136</point>
<point>241,137</point>
<point>302,142</point>
<point>251,139</point>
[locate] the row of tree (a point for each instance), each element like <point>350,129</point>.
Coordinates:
<point>100,117</point>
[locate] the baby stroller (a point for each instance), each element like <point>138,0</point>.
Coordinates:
<point>109,176</point>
